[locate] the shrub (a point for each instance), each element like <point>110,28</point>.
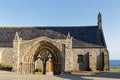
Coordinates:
<point>38,70</point>
<point>5,67</point>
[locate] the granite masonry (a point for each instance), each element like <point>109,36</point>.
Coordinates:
<point>56,49</point>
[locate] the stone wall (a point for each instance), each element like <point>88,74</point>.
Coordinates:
<point>93,59</point>
<point>6,56</point>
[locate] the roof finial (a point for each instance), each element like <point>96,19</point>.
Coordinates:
<point>68,36</point>
<point>99,17</point>
<point>16,36</point>
<point>100,20</point>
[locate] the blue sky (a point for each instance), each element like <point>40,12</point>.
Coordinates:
<point>65,13</point>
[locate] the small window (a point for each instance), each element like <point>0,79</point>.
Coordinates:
<point>80,58</point>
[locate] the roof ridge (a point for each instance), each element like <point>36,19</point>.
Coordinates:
<point>41,26</point>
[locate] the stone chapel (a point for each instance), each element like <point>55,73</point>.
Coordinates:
<point>54,49</point>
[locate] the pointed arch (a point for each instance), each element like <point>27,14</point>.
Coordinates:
<point>43,48</point>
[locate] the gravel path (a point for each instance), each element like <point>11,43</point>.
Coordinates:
<point>4,75</point>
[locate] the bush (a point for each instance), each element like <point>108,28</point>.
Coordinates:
<point>38,70</point>
<point>5,67</point>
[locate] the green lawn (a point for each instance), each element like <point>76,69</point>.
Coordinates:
<point>40,73</point>
<point>114,69</point>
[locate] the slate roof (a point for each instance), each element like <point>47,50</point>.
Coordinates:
<point>83,36</point>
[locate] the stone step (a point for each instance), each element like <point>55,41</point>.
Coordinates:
<point>49,73</point>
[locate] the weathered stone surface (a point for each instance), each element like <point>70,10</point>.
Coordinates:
<point>22,51</point>
<point>6,56</point>
<point>92,59</point>
<point>21,56</point>
<point>54,43</point>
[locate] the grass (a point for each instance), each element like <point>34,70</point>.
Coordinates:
<point>39,73</point>
<point>114,69</point>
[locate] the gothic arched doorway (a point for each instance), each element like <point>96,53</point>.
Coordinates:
<point>46,52</point>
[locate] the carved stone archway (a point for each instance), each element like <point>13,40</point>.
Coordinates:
<point>42,50</point>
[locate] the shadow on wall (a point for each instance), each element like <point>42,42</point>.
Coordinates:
<point>100,61</point>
